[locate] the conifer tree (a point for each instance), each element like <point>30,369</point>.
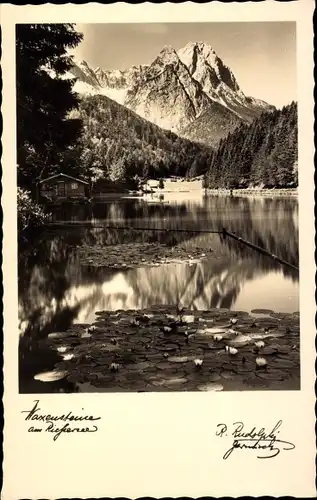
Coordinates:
<point>45,134</point>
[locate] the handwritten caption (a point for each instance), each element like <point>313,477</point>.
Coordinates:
<point>267,443</point>
<point>59,424</point>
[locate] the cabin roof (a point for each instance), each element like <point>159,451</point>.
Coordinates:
<point>62,175</point>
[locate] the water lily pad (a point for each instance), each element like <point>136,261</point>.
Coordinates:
<point>214,377</point>
<point>246,367</point>
<point>188,318</point>
<point>228,374</point>
<point>255,382</point>
<point>264,335</point>
<point>215,329</point>
<point>178,359</point>
<point>139,366</point>
<point>210,387</point>
<point>158,382</point>
<point>85,335</point>
<point>58,335</point>
<point>272,375</point>
<point>163,366</point>
<point>175,381</point>
<point>167,347</point>
<point>283,363</point>
<point>267,351</point>
<point>216,345</point>
<point>283,349</point>
<point>109,348</point>
<point>240,340</point>
<point>51,376</point>
<point>262,311</point>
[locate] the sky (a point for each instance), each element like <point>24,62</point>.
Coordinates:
<point>261,55</point>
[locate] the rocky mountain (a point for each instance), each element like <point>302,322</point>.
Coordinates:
<point>190,92</point>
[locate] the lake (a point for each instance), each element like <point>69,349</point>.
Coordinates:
<point>55,291</point>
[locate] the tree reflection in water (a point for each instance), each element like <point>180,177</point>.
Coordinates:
<point>55,291</point>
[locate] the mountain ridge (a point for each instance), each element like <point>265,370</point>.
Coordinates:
<point>175,90</point>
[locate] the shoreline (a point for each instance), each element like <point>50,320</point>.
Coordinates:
<point>223,192</point>
<point>155,198</point>
<point>255,192</point>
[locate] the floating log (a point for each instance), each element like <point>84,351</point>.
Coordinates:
<point>259,249</point>
<point>167,230</point>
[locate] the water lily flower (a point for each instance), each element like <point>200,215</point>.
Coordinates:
<point>259,344</point>
<point>198,362</point>
<point>67,357</point>
<point>231,350</point>
<point>114,367</point>
<point>233,332</point>
<point>261,362</point>
<point>62,349</point>
<point>233,321</point>
<point>218,337</point>
<point>92,328</point>
<point>85,335</point>
<point>167,329</point>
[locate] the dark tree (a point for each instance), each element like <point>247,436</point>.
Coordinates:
<point>263,153</point>
<point>46,135</point>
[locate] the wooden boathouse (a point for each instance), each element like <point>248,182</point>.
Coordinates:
<point>62,187</point>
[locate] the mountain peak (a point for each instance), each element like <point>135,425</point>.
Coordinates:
<point>198,53</point>
<point>167,49</point>
<point>168,54</point>
<point>190,91</point>
<point>201,46</point>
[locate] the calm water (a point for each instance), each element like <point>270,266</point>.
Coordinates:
<point>55,291</point>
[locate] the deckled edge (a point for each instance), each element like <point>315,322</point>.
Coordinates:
<point>1,279</point>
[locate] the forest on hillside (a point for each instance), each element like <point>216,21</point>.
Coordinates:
<point>262,154</point>
<point>117,145</point>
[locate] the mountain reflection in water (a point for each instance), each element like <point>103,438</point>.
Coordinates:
<point>55,291</point>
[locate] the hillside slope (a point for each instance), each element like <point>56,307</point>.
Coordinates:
<point>263,153</point>
<point>117,144</point>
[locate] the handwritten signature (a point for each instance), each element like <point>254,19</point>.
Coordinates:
<point>52,422</point>
<point>266,442</point>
